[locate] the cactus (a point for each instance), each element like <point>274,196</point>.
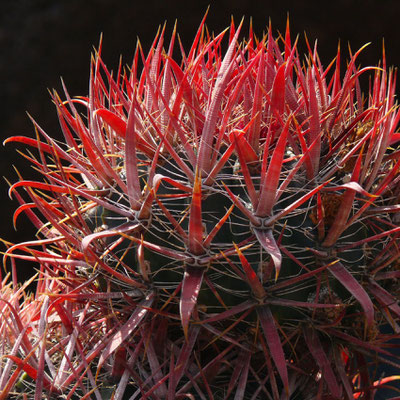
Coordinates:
<point>222,224</point>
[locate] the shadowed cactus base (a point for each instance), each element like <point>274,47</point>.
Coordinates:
<point>220,226</point>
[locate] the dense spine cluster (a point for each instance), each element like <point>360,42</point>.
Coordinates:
<point>220,226</point>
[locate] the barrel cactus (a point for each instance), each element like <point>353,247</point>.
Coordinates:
<point>222,224</point>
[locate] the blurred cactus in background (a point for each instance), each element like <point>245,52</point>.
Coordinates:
<point>219,223</point>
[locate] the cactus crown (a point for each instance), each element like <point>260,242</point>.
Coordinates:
<point>221,225</point>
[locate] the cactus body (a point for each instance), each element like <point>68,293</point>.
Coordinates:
<point>220,226</point>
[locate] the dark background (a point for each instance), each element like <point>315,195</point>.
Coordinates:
<point>41,40</point>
